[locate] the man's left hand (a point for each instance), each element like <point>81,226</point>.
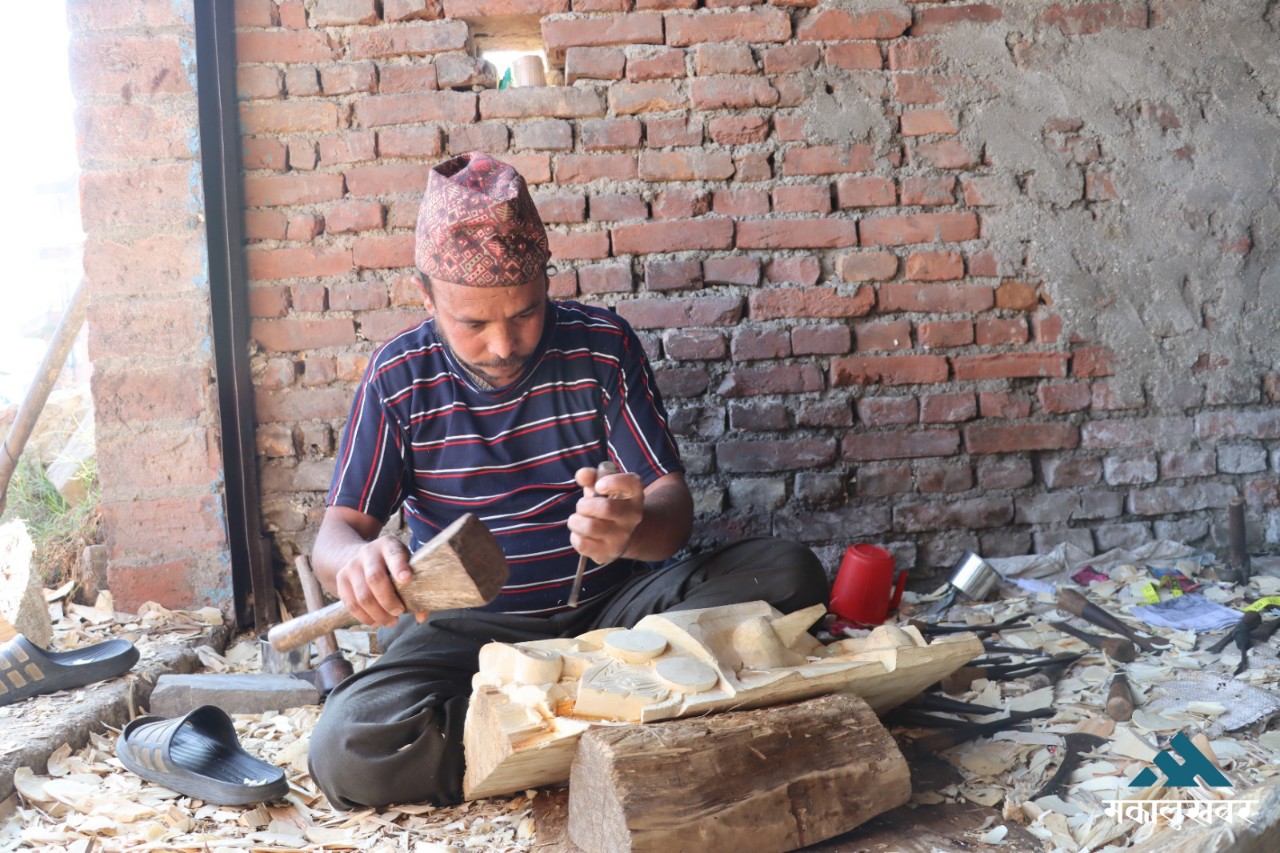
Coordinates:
<point>602,524</point>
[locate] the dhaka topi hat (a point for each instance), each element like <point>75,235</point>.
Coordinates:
<point>478,226</point>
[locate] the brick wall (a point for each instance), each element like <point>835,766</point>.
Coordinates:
<point>791,202</point>
<point>133,75</point>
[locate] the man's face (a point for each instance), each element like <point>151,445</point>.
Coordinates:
<point>493,331</point>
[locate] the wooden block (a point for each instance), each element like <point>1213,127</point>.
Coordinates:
<point>773,779</point>
<point>21,598</point>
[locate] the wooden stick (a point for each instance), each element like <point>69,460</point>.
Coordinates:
<point>1076,604</point>
<point>462,566</point>
<point>1117,648</point>
<point>327,643</point>
<point>1120,699</point>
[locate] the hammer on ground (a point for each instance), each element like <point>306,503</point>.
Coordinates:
<point>1076,604</point>
<point>462,566</point>
<point>1117,648</point>
<point>1077,743</point>
<point>333,667</point>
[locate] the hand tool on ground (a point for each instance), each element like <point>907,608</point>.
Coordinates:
<point>945,740</point>
<point>1013,650</point>
<point>1075,745</point>
<point>1120,699</point>
<point>1263,632</point>
<point>1117,648</point>
<point>462,566</point>
<point>1050,673</point>
<point>1240,632</point>
<point>934,702</point>
<point>901,716</point>
<point>604,469</point>
<point>963,677</point>
<point>1077,605</point>
<point>333,668</point>
<point>1238,555</point>
<point>929,628</point>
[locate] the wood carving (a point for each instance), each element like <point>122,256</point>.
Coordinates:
<point>522,733</point>
<point>772,779</point>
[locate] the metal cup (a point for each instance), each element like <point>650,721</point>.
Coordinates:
<point>973,576</point>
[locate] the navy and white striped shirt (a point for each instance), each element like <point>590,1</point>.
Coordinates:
<point>423,434</point>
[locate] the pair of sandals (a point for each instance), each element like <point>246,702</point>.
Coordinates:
<point>197,754</point>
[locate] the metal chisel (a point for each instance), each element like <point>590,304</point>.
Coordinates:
<point>604,469</point>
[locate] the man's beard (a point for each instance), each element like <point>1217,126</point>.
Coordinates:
<point>480,369</point>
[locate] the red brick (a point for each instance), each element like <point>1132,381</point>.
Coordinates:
<point>780,302</point>
<point>380,110</point>
<point>887,411</point>
<point>821,340</point>
<point>1019,438</point>
<point>406,79</point>
<point>351,296</point>
<point>939,19</point>
<point>888,370</point>
<point>636,28</point>
<point>792,128</point>
<point>536,168</point>
<point>868,266</point>
<point>295,335</point>
<point>614,207</point>
<point>943,154</point>
<point>593,63</point>
<point>549,134</point>
<point>948,408</point>
<point>890,335</point>
<point>982,264</point>
<point>731,270</point>
<point>154,328</point>
<point>302,155</point>
<point>1010,365</point>
<point>780,455</point>
<point>774,379</point>
<point>301,80</point>
<point>354,147</point>
<point>408,40</point>
<point>300,262</point>
<point>996,332</point>
<point>681,204</point>
<point>919,228</point>
<point>718,93</point>
<point>916,88</point>
<point>581,245</point>
<point>88,15</point>
<point>664,312</point>
<point>839,25</point>
<point>755,344</point>
<point>287,116</point>
<point>605,278</point>
<point>499,8</point>
<point>1047,329</point>
<point>865,192</point>
<point>1004,404</point>
<point>1017,296</point>
<point>1091,18</point>
<point>694,345</point>
<point>409,142</point>
<point>855,56</point>
<point>1177,432</point>
<point>827,160</point>
<point>583,168</point>
<point>805,198</point>
<point>258,81</point>
<point>1091,361</point>
<point>791,58</point>
<point>797,234</point>
<point>491,137</point>
<point>731,58</point>
<point>383,252</point>
<point>673,236</point>
<point>909,444</point>
<point>388,179</point>
<point>682,381</point>
<point>672,275</point>
<point>265,224</point>
<point>284,46</point>
<point>927,122</point>
<point>303,227</point>
<point>353,216</point>
<point>934,298</point>
<point>140,197</point>
<point>125,132</point>
<point>568,209</point>
<point>986,191</point>
<point>1065,472</point>
<point>738,130</point>
<point>1098,187</point>
<point>348,78</point>
<point>669,132</point>
<point>929,191</point>
<point>539,101</point>
<point>745,202</point>
<point>943,334</point>
<point>911,54</point>
<point>293,14</point>
<point>764,25</point>
<point>685,165</point>
<point>935,478</point>
<point>969,514</point>
<point>934,266</point>
<point>662,64</point>
<point>1060,399</point>
<point>802,269</point>
<point>341,13</point>
<point>158,394</point>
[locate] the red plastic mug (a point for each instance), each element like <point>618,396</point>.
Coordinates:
<point>865,589</point>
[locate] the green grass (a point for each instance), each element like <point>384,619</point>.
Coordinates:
<point>59,531</point>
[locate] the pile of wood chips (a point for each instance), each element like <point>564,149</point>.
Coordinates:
<point>88,801</point>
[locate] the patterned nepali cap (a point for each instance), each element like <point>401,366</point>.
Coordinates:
<point>478,226</point>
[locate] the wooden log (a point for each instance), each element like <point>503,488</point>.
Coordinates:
<point>772,779</point>
<point>21,595</point>
<point>522,733</point>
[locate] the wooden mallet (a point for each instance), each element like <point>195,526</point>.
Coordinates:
<point>462,566</point>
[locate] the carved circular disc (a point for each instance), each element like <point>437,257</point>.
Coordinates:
<point>686,674</point>
<point>634,646</point>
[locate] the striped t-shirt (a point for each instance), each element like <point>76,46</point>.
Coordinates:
<point>423,434</point>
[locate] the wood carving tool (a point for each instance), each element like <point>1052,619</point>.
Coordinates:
<point>1076,744</point>
<point>1241,634</point>
<point>1117,648</point>
<point>1238,553</point>
<point>964,677</point>
<point>1263,632</point>
<point>462,566</point>
<point>945,740</point>
<point>934,702</point>
<point>1077,605</point>
<point>604,469</point>
<point>1120,699</point>
<point>931,628</point>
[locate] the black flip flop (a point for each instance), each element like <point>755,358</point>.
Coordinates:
<point>27,670</point>
<point>199,755</point>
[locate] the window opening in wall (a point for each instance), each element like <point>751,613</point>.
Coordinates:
<point>513,44</point>
<point>518,68</point>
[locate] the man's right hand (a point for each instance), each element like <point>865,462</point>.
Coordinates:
<point>364,582</point>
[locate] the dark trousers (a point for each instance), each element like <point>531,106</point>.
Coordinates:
<point>393,732</point>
